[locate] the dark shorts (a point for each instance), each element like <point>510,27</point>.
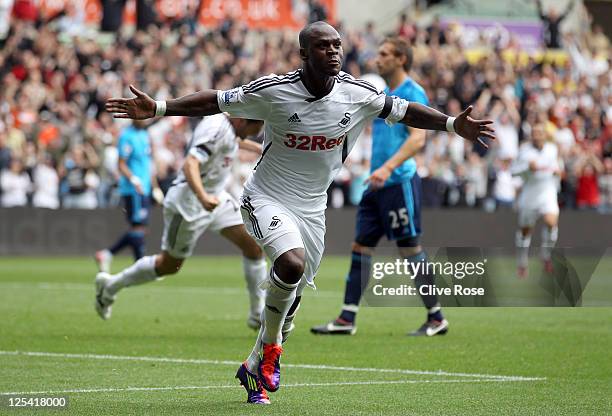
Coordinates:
<point>137,208</point>
<point>394,211</point>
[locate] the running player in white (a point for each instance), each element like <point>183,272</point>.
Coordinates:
<point>538,165</point>
<point>312,117</point>
<point>196,202</point>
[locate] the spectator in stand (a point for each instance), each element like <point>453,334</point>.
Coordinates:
<point>552,22</point>
<point>5,151</point>
<point>506,185</point>
<point>317,12</point>
<point>564,137</point>
<point>406,28</point>
<point>507,120</point>
<point>52,92</point>
<point>588,169</point>
<point>46,183</point>
<point>79,178</point>
<point>15,184</point>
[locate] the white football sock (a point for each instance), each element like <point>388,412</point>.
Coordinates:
<point>549,239</point>
<point>142,271</point>
<point>279,298</point>
<point>252,362</point>
<point>255,273</point>
<point>286,329</point>
<point>522,248</point>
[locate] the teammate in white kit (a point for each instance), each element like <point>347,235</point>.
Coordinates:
<point>538,165</point>
<point>312,118</point>
<point>197,201</point>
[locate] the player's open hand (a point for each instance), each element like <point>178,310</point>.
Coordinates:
<point>473,130</point>
<point>139,108</point>
<point>378,178</point>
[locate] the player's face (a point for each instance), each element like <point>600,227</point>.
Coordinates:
<point>325,52</point>
<point>386,60</point>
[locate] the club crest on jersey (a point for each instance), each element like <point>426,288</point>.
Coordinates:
<point>275,223</point>
<point>345,121</point>
<point>230,96</point>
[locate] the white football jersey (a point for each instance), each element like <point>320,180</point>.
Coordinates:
<point>214,144</point>
<point>306,140</point>
<point>542,184</point>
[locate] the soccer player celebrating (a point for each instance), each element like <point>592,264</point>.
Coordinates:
<point>195,202</point>
<point>312,118</point>
<point>391,206</point>
<point>538,165</point>
<point>136,185</point>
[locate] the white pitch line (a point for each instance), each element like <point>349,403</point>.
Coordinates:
<point>302,366</point>
<point>227,386</point>
<point>179,289</point>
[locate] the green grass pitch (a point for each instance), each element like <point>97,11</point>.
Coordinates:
<point>504,361</point>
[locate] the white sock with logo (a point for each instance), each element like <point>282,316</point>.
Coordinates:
<point>279,298</point>
<point>255,274</point>
<point>252,362</point>
<point>142,271</point>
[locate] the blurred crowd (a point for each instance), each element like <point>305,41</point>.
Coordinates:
<point>58,145</point>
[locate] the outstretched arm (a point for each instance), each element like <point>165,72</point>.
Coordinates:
<point>201,103</point>
<point>423,117</point>
<point>539,7</point>
<point>568,9</point>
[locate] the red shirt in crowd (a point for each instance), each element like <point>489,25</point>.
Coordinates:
<point>587,191</point>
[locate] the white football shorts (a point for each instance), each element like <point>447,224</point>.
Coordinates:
<point>180,236</point>
<point>278,229</point>
<point>532,207</point>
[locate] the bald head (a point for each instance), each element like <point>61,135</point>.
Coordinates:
<point>314,30</point>
<point>321,49</point>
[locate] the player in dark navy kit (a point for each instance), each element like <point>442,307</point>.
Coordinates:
<point>391,206</point>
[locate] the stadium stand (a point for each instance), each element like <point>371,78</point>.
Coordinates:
<point>55,80</point>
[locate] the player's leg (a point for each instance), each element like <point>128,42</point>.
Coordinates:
<point>526,220</point>
<point>227,220</point>
<point>137,213</point>
<point>550,233</point>
<point>255,269</point>
<point>146,269</point>
<point>178,241</point>
<point>404,202</point>
<point>281,301</point>
<point>277,232</point>
<point>369,230</point>
<point>104,257</point>
<point>139,221</point>
<point>304,267</point>
<point>435,324</point>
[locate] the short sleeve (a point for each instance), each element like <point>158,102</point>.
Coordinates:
<point>245,102</point>
<point>392,109</point>
<point>204,141</point>
<point>375,104</point>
